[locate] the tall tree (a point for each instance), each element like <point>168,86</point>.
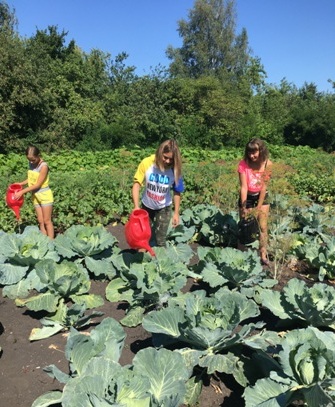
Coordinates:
<point>210,44</point>
<point>312,119</point>
<point>8,20</point>
<point>51,43</point>
<point>18,84</point>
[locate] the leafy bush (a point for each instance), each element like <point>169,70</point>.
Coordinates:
<point>19,254</point>
<point>214,329</point>
<point>301,304</point>
<point>210,225</point>
<point>146,282</point>
<point>92,246</point>
<point>155,378</point>
<point>66,280</point>
<point>62,282</point>
<point>229,266</point>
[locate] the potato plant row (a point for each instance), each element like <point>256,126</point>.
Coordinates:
<point>95,187</point>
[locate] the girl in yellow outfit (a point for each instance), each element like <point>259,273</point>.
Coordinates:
<point>38,184</point>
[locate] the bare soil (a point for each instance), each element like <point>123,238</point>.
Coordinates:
<point>22,378</point>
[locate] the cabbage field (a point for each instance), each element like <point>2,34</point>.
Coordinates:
<point>203,322</point>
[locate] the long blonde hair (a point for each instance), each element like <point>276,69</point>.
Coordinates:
<point>169,146</point>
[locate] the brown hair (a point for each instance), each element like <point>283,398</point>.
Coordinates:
<point>169,146</point>
<point>34,151</point>
<point>256,144</point>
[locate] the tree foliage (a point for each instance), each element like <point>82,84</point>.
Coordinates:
<point>212,95</point>
<point>8,20</point>
<point>210,44</point>
<point>312,119</point>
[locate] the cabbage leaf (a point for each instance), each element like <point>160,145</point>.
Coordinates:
<point>92,245</point>
<point>307,363</point>
<point>210,326</point>
<point>156,377</point>
<point>19,254</point>
<point>302,304</point>
<point>147,283</point>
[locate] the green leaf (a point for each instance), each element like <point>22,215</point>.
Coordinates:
<point>63,247</point>
<point>220,363</point>
<point>134,317</point>
<point>23,287</point>
<point>180,252</point>
<point>116,291</point>
<point>100,268</point>
<point>56,373</point>
<point>11,274</point>
<point>45,301</point>
<point>316,397</point>
<point>48,399</point>
<point>267,393</point>
<point>211,275</point>
<point>165,321</point>
<point>45,332</point>
<point>89,300</point>
<point>109,337</point>
<point>80,352</point>
<point>193,390</point>
<point>166,371</point>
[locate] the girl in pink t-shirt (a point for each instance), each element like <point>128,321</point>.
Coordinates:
<point>254,174</point>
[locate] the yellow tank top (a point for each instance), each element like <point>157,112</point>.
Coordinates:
<point>33,175</point>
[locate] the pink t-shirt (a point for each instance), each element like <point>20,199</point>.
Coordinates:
<point>255,179</point>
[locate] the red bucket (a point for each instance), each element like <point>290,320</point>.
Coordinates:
<point>138,231</point>
<point>14,204</point>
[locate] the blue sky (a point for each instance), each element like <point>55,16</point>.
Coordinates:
<point>294,39</point>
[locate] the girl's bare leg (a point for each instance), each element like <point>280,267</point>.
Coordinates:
<point>44,214</point>
<point>263,232</point>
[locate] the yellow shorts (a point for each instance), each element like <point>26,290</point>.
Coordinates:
<point>43,198</point>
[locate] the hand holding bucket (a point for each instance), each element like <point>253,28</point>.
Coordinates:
<point>11,201</point>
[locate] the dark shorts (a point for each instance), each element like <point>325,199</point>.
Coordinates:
<point>252,200</point>
<point>159,222</point>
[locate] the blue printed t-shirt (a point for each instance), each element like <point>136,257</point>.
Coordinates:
<point>158,184</point>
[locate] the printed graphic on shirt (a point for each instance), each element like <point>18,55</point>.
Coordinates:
<point>158,188</point>
<point>255,181</point>
<point>161,178</point>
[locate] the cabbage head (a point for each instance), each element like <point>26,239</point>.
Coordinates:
<point>82,241</point>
